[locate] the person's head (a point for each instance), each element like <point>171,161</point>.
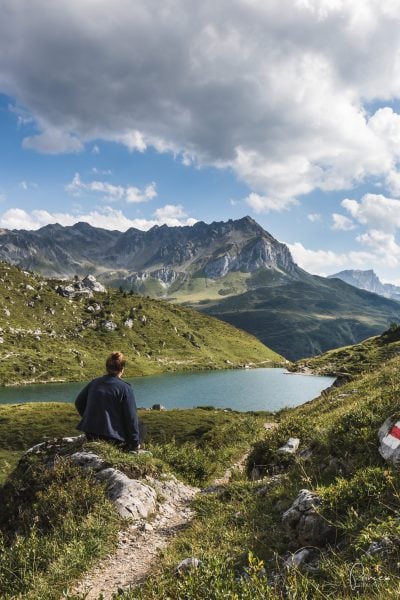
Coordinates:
<point>115,363</point>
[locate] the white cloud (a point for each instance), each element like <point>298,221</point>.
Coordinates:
<point>112,192</point>
<point>135,195</point>
<point>173,215</point>
<point>326,262</point>
<point>341,223</point>
<point>278,91</point>
<point>95,149</point>
<point>53,141</point>
<point>264,204</point>
<point>314,217</point>
<point>107,218</point>
<point>375,211</point>
<point>27,185</point>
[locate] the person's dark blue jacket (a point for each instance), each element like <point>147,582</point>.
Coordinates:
<point>108,408</point>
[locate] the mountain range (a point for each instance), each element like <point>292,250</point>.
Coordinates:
<point>368,280</point>
<point>233,270</point>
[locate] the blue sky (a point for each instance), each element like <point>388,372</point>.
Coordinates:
<point>135,115</point>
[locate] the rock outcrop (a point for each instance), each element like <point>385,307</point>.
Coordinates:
<point>304,525</point>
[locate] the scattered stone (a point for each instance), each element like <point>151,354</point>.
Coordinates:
<point>128,323</point>
<point>290,447</point>
<point>304,525</point>
<point>1,340</point>
<point>187,564</point>
<point>90,309</point>
<point>29,288</point>
<point>389,437</point>
<point>109,325</point>
<point>7,312</point>
<point>295,560</point>
<point>385,545</point>
<point>143,319</point>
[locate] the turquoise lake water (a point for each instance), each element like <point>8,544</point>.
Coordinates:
<point>253,389</point>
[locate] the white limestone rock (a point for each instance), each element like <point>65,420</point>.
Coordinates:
<point>290,447</point>
<point>90,282</point>
<point>132,498</point>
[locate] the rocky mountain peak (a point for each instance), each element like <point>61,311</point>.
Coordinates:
<point>369,281</point>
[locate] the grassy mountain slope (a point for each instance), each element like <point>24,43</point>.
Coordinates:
<point>45,337</point>
<point>308,316</point>
<point>351,360</point>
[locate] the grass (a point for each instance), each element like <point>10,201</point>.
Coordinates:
<point>207,438</point>
<point>238,534</point>
<point>55,523</point>
<point>352,360</point>
<point>46,337</point>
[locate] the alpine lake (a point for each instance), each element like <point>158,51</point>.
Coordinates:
<point>264,389</point>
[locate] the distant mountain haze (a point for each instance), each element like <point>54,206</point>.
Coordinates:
<point>233,270</point>
<point>368,280</point>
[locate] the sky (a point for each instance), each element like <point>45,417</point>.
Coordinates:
<point>135,113</point>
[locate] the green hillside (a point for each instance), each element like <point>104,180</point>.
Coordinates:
<point>351,360</point>
<point>305,317</point>
<point>46,337</point>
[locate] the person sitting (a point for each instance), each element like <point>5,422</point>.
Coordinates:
<point>108,408</point>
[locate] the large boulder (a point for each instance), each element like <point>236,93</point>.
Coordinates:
<point>91,283</point>
<point>303,523</point>
<point>132,498</point>
<point>389,437</point>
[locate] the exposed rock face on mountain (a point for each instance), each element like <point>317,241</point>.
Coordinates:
<point>235,271</point>
<point>368,280</point>
<point>165,255</point>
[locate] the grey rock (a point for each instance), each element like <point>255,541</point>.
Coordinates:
<point>304,525</point>
<point>389,447</point>
<point>128,323</point>
<point>109,325</point>
<point>132,499</point>
<point>296,559</point>
<point>187,564</point>
<point>90,282</point>
<point>383,546</point>
<point>89,460</point>
<point>290,447</point>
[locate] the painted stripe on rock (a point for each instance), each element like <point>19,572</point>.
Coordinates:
<point>395,431</point>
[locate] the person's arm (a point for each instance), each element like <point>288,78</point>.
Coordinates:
<point>81,400</point>
<point>131,419</point>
